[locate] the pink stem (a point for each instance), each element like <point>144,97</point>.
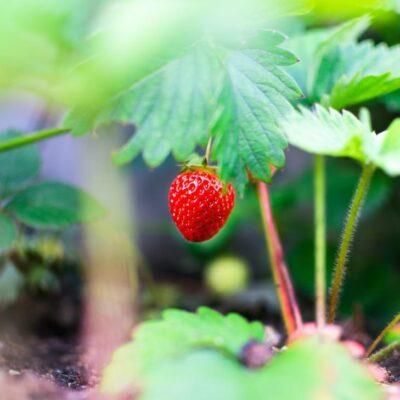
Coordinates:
<point>287,298</point>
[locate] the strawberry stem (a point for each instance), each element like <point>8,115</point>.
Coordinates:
<point>388,328</point>
<point>320,240</point>
<point>385,352</point>
<point>289,306</point>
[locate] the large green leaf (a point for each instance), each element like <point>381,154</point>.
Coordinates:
<point>54,205</point>
<point>8,232</point>
<point>172,108</point>
<point>241,91</point>
<point>175,335</point>
<point>17,166</point>
<point>199,355</point>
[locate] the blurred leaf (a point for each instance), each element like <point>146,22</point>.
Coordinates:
<point>329,132</point>
<point>337,70</point>
<point>255,96</point>
<point>388,157</point>
<point>318,370</point>
<point>11,282</point>
<point>366,70</point>
<point>312,46</point>
<point>8,233</point>
<point>178,333</point>
<point>54,205</point>
<point>17,166</point>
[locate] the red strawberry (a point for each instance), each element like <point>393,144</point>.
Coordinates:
<point>199,205</point>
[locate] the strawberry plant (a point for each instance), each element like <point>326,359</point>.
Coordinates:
<point>220,78</point>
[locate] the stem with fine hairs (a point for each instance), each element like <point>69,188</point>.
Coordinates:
<point>388,328</point>
<point>385,352</point>
<point>347,236</point>
<point>289,306</point>
<point>320,240</point>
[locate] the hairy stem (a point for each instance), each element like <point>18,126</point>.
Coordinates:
<point>385,352</point>
<point>34,137</point>
<point>320,239</point>
<point>348,233</point>
<point>388,328</point>
<point>208,151</point>
<point>289,306</point>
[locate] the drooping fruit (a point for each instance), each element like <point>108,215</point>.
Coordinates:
<point>199,204</point>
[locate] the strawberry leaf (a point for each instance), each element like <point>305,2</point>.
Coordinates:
<point>331,133</point>
<point>200,354</point>
<point>156,341</point>
<point>172,109</point>
<point>338,70</point>
<point>256,95</point>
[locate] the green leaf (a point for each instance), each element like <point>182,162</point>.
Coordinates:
<point>255,97</point>
<point>54,205</point>
<point>178,333</point>
<point>334,68</point>
<point>328,132</point>
<point>388,157</point>
<point>315,368</point>
<point>312,46</point>
<point>8,233</point>
<point>318,370</point>
<point>17,166</point>
<point>367,71</point>
<point>172,108</point>
<point>331,133</point>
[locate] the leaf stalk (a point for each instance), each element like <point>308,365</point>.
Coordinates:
<point>347,236</point>
<point>320,239</point>
<point>32,138</point>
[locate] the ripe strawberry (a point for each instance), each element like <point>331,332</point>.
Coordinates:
<point>199,205</point>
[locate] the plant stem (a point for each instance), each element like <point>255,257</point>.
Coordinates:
<point>34,137</point>
<point>348,233</point>
<point>388,327</point>
<point>320,239</point>
<point>289,306</point>
<point>381,354</point>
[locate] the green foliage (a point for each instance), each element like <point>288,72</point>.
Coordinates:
<point>177,334</point>
<point>18,166</point>
<point>328,132</point>
<point>240,92</point>
<point>8,232</point>
<point>172,359</point>
<point>54,205</point>
<point>337,70</point>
